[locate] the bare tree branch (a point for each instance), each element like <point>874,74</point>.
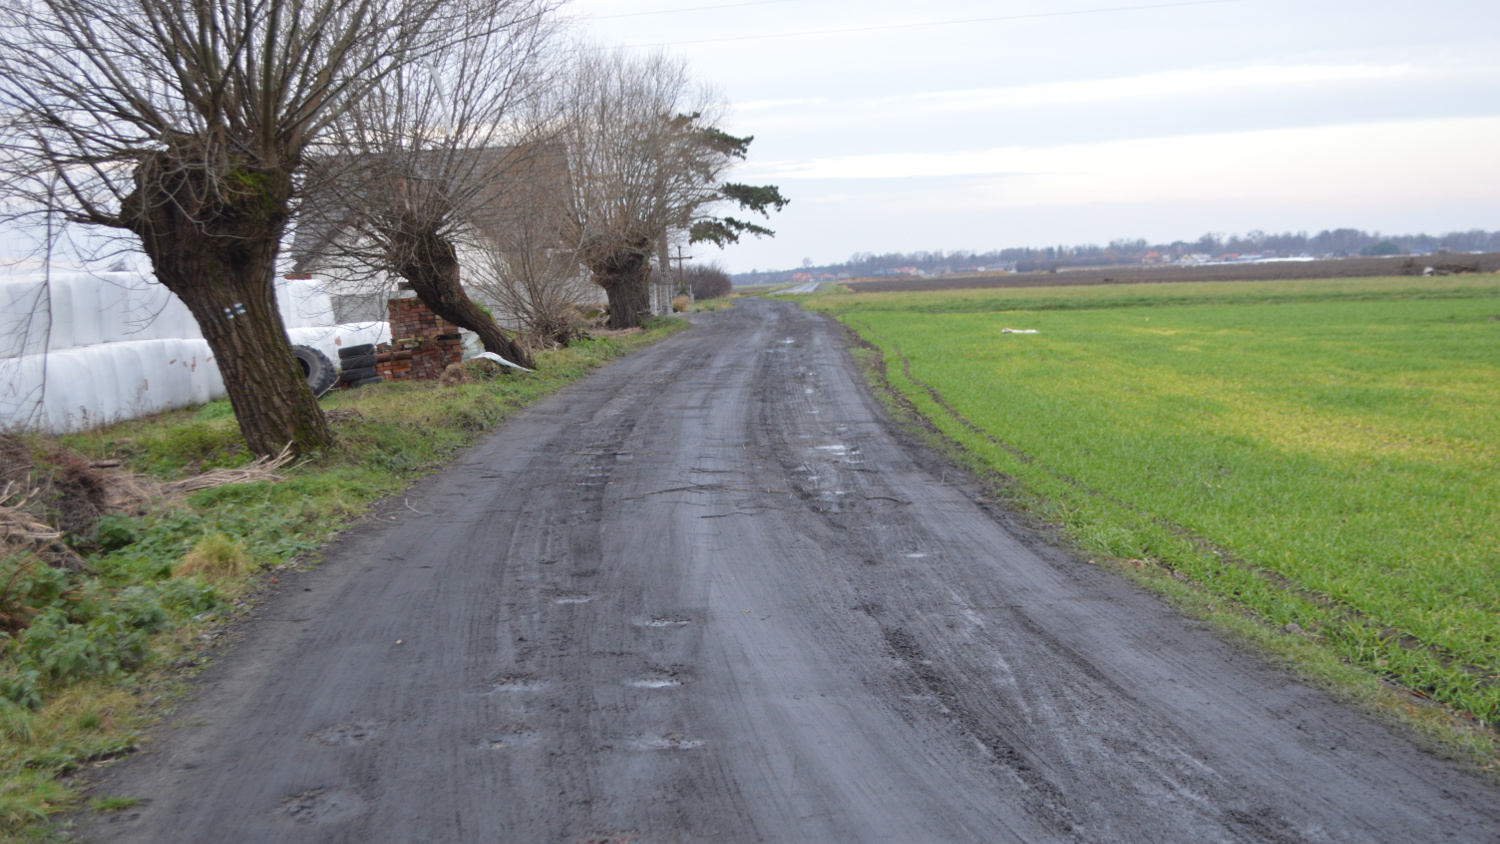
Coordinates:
<point>417,175</point>
<point>185,123</point>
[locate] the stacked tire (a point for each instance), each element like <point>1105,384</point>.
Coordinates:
<point>317,368</point>
<point>357,366</point>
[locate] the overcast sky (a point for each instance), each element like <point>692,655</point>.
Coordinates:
<point>960,124</point>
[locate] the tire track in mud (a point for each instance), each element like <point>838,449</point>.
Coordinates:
<point>1015,765</point>
<point>711,594</point>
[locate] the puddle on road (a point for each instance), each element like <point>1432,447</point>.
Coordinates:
<point>663,621</point>
<point>655,683</point>
<point>670,741</point>
<point>833,449</point>
<point>917,556</point>
<point>322,805</point>
<point>568,596</point>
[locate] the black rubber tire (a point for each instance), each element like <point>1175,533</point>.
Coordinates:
<point>376,380</point>
<point>350,376</point>
<point>321,376</point>
<point>355,351</point>
<point>356,362</point>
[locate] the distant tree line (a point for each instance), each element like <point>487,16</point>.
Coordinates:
<point>1336,243</point>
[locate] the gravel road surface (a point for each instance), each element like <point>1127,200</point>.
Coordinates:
<point>712,595</point>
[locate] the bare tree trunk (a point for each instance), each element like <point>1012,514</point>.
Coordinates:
<point>626,279</point>
<point>430,263</point>
<point>217,252</point>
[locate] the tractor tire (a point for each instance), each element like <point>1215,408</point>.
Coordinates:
<point>317,368</point>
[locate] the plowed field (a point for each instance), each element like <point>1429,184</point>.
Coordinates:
<point>1270,271</point>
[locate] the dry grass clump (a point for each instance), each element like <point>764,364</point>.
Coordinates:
<point>454,375</point>
<point>217,558</point>
<point>55,486</point>
<point>24,535</point>
<point>18,525</point>
<point>51,498</point>
<point>128,492</point>
<point>263,469</point>
<point>562,328</point>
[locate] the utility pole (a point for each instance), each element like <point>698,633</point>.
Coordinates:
<point>681,285</point>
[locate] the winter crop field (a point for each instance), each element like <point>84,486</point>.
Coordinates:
<point>1323,453</point>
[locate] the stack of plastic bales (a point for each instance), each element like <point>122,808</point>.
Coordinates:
<point>82,349</point>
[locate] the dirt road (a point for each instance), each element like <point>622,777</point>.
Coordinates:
<point>710,595</point>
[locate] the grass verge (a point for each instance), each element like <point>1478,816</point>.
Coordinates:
<point>1311,465</point>
<point>718,304</point>
<point>91,657</point>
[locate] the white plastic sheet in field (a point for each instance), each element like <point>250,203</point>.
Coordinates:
<point>87,308</point>
<point>82,349</point>
<point>87,386</point>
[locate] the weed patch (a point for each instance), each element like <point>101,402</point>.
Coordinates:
<point>216,558</point>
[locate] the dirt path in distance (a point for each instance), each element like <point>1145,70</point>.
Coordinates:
<point>712,595</point>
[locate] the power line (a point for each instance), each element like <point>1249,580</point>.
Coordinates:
<point>690,9</point>
<point>937,23</point>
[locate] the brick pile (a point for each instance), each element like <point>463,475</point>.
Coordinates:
<point>422,345</point>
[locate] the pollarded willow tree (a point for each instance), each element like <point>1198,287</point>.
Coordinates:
<point>427,167</point>
<point>646,157</point>
<point>185,124</point>
<point>529,268</point>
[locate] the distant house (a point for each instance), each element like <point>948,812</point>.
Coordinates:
<point>800,277</point>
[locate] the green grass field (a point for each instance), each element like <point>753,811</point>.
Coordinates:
<point>1324,453</point>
